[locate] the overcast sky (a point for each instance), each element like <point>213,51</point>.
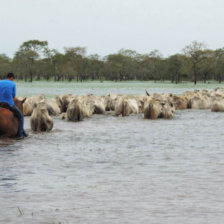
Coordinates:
<point>106,26</point>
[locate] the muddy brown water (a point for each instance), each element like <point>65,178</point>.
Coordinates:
<point>109,169</point>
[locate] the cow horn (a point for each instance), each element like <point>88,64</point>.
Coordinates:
<point>147,93</point>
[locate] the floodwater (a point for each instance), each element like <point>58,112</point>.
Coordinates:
<point>50,89</point>
<point>109,169</point>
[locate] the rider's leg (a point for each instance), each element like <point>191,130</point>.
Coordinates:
<point>21,120</point>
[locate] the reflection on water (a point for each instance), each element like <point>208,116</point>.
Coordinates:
<point>110,169</point>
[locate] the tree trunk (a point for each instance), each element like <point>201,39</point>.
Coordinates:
<point>31,76</point>
<point>205,76</point>
<point>195,74</point>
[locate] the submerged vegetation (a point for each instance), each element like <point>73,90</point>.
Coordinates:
<point>35,61</point>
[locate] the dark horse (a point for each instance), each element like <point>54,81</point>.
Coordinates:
<point>9,123</point>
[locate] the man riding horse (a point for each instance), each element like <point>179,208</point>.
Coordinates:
<point>7,93</point>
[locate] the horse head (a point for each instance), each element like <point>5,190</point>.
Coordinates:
<point>19,103</point>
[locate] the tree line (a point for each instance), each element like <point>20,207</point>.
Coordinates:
<point>35,61</point>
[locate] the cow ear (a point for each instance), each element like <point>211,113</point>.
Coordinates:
<point>24,100</point>
<point>141,102</point>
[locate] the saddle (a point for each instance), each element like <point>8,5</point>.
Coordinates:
<point>6,106</point>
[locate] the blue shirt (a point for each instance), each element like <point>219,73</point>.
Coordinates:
<point>7,91</point>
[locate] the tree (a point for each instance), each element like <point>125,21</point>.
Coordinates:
<point>75,55</point>
<point>219,64</point>
<point>195,53</point>
<point>174,68</point>
<point>5,65</point>
<point>28,54</point>
<point>121,66</point>
<point>207,65</point>
<point>156,65</point>
<point>94,67</point>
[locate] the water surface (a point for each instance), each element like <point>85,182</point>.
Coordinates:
<point>50,89</point>
<point>109,169</point>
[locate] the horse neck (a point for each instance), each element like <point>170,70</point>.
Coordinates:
<point>17,103</point>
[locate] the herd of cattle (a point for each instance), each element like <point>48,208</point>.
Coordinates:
<point>153,106</point>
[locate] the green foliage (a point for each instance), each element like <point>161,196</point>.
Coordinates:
<point>35,61</point>
<point>5,65</point>
<point>27,56</point>
<point>195,53</point>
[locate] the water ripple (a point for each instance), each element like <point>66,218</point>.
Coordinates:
<point>116,170</point>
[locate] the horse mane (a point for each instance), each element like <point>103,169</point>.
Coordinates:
<point>15,99</point>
